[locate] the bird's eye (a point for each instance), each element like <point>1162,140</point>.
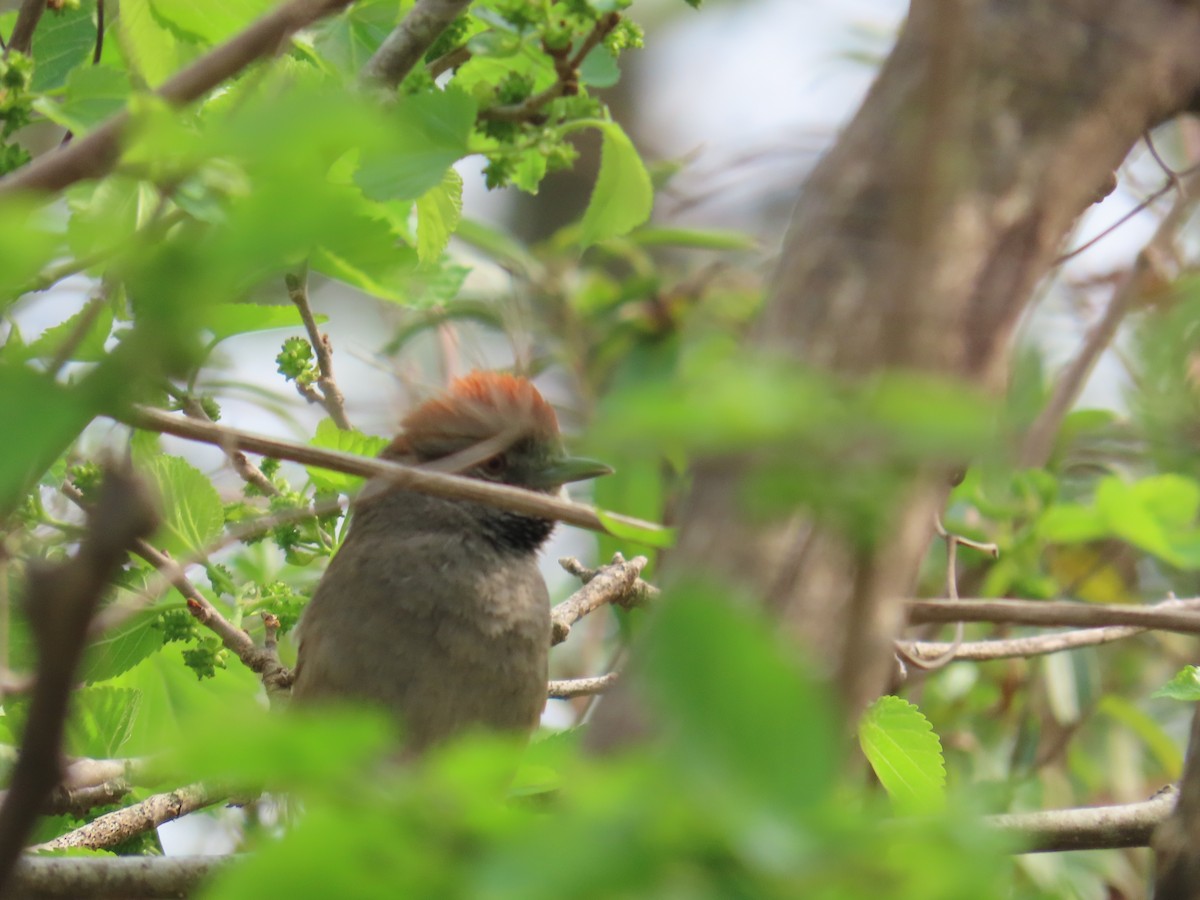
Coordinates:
<point>494,466</point>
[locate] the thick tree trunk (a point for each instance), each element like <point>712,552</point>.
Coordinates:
<point>916,244</point>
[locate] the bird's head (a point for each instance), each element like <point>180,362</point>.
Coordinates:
<point>494,427</point>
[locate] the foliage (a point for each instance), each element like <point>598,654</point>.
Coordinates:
<point>190,241</point>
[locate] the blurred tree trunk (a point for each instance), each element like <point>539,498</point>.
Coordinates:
<point>916,244</point>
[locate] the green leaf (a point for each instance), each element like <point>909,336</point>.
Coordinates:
<point>429,134</point>
<point>101,720</point>
<point>1184,686</point>
<point>152,49</point>
<point>88,349</point>
<point>1143,725</point>
<point>348,40</point>
<point>193,515</point>
<point>330,437</point>
<point>47,416</point>
<point>722,678</point>
<point>27,247</point>
<point>599,68</point>
<point>64,39</point>
<point>121,648</point>
<point>228,319</point>
<point>1071,523</point>
<point>905,753</point>
<point>93,93</point>
<point>438,212</point>
<point>211,21</point>
<point>658,537</point>
<point>623,195</point>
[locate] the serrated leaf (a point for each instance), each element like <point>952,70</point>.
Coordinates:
<point>89,346</point>
<point>211,21</point>
<point>438,212</point>
<point>623,195</point>
<point>328,436</point>
<point>101,720</point>
<point>193,515</point>
<point>1184,686</point>
<point>905,754</point>
<point>152,49</point>
<point>120,649</point>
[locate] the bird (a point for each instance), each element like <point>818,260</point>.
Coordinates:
<point>434,608</point>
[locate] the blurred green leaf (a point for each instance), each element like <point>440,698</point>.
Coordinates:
<point>192,512</point>
<point>154,51</point>
<point>101,721</point>
<point>1150,732</point>
<point>93,93</point>
<point>228,319</point>
<point>90,343</point>
<point>429,134</point>
<point>741,705</point>
<point>693,238</point>
<point>211,21</point>
<point>623,196</point>
<point>652,537</point>
<point>905,754</point>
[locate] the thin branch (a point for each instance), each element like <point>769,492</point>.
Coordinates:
<point>129,877</point>
<point>61,601</point>
<point>94,155</point>
<point>27,21</point>
<point>1053,613</point>
<point>641,593</point>
<point>412,478</point>
<point>613,583</point>
<point>403,48</point>
<point>330,395</point>
<point>117,827</point>
<point>275,676</point>
<point>448,61</point>
<point>246,470</point>
<point>1039,441</point>
<point>78,801</point>
<point>1090,828</point>
<point>580,687</point>
<point>1035,645</point>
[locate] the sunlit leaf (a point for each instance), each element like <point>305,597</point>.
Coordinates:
<point>905,754</point>
<point>623,195</point>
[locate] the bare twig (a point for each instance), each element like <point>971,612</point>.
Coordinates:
<point>27,21</point>
<point>1093,828</point>
<point>1035,645</point>
<point>1052,613</point>
<point>1039,441</point>
<point>580,687</point>
<point>404,47</point>
<point>94,155</point>
<point>78,801</point>
<point>612,584</point>
<point>61,601</point>
<point>129,877</point>
<point>641,592</point>
<point>117,827</point>
<point>330,395</point>
<point>246,470</point>
<point>412,478</point>
<point>448,61</point>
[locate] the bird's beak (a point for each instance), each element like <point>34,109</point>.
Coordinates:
<point>571,468</point>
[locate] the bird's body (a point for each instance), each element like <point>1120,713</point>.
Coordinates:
<point>435,608</point>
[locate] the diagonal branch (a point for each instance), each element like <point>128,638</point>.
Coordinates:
<point>403,48</point>
<point>330,395</point>
<point>614,583</point>
<point>111,829</point>
<point>94,155</point>
<point>437,484</point>
<point>27,22</point>
<point>61,602</point>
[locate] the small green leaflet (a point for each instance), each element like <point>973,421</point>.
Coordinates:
<point>906,755</point>
<point>1184,686</point>
<point>438,212</point>
<point>330,437</point>
<point>623,195</point>
<point>619,527</point>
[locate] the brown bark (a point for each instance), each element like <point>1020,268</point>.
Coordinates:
<point>916,244</point>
